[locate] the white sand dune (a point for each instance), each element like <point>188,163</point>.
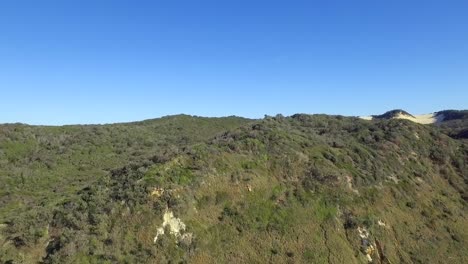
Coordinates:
<point>421,119</point>
<point>366,117</point>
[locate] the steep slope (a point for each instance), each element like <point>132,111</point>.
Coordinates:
<point>302,189</point>
<point>41,166</point>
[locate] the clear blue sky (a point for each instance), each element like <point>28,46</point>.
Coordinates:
<point>64,62</point>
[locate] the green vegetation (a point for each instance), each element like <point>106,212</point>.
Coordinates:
<point>293,189</point>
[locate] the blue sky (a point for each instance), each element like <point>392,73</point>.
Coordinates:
<point>66,62</point>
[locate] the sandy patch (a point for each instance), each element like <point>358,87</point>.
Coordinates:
<point>381,223</point>
<point>349,182</point>
<point>422,119</point>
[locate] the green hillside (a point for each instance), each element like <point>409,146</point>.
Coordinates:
<point>181,189</point>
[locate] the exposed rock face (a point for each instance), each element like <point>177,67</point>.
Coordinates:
<point>368,248</point>
<point>176,227</point>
